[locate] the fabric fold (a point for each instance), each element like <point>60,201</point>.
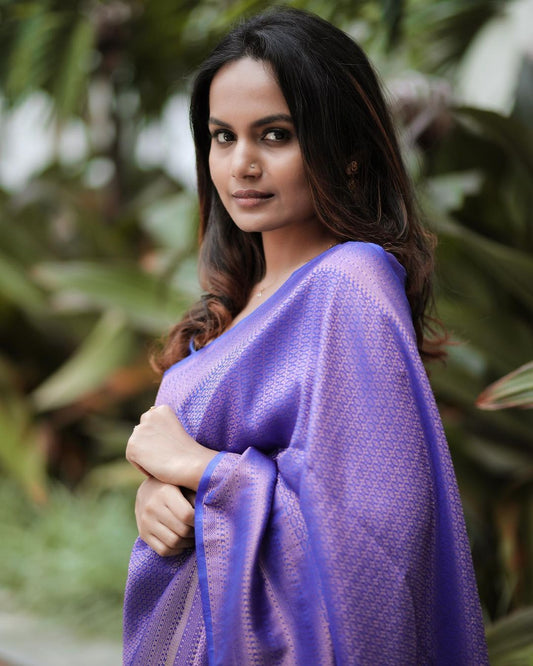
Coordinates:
<point>329,530</point>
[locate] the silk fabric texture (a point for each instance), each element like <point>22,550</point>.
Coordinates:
<point>329,528</point>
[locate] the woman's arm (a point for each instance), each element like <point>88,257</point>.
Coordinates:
<point>160,447</point>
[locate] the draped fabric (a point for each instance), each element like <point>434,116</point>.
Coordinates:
<point>329,528</point>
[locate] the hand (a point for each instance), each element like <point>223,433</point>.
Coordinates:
<point>165,517</point>
<point>160,447</point>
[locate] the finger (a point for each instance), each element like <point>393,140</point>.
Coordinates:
<point>144,416</point>
<point>141,469</point>
<point>167,537</point>
<point>170,539</point>
<point>163,522</point>
<point>159,547</point>
<point>130,454</point>
<point>162,504</point>
<point>174,524</point>
<point>156,409</point>
<point>130,457</point>
<point>185,544</point>
<point>166,526</point>
<point>178,505</point>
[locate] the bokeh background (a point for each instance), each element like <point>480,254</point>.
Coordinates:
<point>98,257</point>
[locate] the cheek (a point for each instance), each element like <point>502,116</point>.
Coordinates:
<point>216,172</point>
<point>297,184</point>
<point>292,173</point>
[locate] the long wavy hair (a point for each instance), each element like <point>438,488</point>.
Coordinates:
<point>340,116</point>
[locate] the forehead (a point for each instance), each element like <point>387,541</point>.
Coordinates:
<point>246,87</point>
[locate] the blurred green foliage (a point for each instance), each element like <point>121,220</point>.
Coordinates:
<point>69,559</point>
<point>91,273</point>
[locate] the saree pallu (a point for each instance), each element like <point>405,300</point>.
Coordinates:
<point>329,528</point>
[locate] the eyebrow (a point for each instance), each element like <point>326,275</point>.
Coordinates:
<point>257,123</point>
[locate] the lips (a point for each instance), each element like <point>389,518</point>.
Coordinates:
<point>251,199</point>
<point>251,194</point>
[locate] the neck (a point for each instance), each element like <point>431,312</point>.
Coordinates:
<point>287,249</point>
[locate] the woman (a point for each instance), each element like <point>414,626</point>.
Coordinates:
<point>327,523</point>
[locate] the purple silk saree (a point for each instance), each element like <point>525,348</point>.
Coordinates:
<point>329,529</point>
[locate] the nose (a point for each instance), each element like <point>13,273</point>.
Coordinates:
<point>245,162</point>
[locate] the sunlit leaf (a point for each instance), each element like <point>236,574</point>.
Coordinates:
<point>172,221</point>
<point>79,286</point>
<point>447,28</point>
<point>449,190</point>
<point>21,446</point>
<point>104,349</point>
<point>523,108</point>
<point>513,390</point>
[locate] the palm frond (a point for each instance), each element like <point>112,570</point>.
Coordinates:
<point>513,390</point>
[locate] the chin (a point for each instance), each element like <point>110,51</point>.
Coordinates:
<point>254,223</point>
<point>257,227</point>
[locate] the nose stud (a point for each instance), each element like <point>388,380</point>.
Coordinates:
<point>252,165</point>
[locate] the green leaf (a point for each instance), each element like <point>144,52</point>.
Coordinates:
<point>17,288</point>
<point>510,640</point>
<point>53,563</point>
<point>443,31</point>
<point>513,390</point>
<point>172,222</point>
<point>449,190</point>
<point>513,136</point>
<point>21,450</point>
<point>104,350</point>
<point>33,53</point>
<point>393,14</point>
<point>148,304</point>
<point>512,267</point>
<point>74,70</point>
<point>474,323</point>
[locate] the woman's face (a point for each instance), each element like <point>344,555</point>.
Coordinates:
<point>255,159</point>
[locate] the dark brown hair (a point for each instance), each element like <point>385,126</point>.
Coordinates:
<point>340,116</point>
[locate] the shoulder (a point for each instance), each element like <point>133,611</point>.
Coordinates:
<point>361,262</point>
<point>353,297</point>
<point>364,270</point>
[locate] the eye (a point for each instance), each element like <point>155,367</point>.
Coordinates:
<point>223,136</point>
<point>276,135</point>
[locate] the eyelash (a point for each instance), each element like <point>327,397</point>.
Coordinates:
<point>218,133</point>
<point>285,135</point>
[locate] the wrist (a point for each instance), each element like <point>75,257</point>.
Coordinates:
<point>199,466</point>
<point>199,463</point>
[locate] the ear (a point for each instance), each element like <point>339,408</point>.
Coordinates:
<point>351,170</point>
